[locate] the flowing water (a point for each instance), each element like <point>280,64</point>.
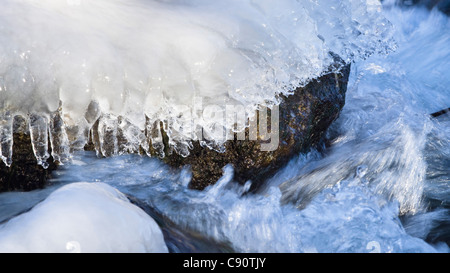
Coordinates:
<point>382,184</point>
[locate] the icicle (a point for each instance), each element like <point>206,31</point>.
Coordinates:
<point>95,137</point>
<point>78,135</point>
<point>93,112</point>
<point>178,128</point>
<point>153,132</point>
<point>58,139</point>
<point>6,138</point>
<point>107,133</point>
<point>177,143</point>
<point>168,148</point>
<point>182,148</point>
<point>130,137</point>
<point>39,138</point>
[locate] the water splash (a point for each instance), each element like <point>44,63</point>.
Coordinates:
<point>391,161</point>
<point>346,217</point>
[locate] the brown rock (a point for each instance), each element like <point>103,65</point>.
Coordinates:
<point>303,119</point>
<point>24,174</point>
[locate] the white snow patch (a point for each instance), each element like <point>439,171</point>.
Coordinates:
<point>83,217</point>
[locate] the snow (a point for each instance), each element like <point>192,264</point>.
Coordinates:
<point>83,217</point>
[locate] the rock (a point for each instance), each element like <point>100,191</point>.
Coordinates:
<point>24,174</point>
<point>303,119</point>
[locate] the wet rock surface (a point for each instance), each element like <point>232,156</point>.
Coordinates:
<point>303,119</point>
<point>24,174</point>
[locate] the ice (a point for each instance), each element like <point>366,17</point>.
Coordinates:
<point>131,138</point>
<point>39,138</point>
<point>82,217</point>
<point>107,133</point>
<point>59,139</point>
<point>6,138</point>
<point>145,61</point>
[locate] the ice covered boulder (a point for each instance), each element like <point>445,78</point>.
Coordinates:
<point>300,124</point>
<point>83,217</point>
<point>132,76</point>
